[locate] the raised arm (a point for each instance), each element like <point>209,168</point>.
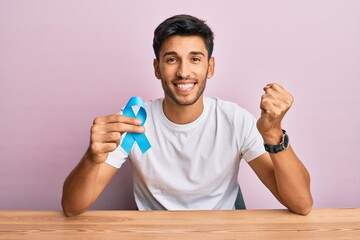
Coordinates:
<point>283,172</point>
<point>90,177</point>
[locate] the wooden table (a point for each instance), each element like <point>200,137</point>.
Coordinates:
<point>243,224</point>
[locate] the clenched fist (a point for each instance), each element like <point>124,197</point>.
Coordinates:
<point>275,102</point>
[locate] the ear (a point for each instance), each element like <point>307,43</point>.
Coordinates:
<point>157,69</point>
<point>211,68</point>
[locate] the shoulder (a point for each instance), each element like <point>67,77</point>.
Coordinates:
<point>153,104</point>
<point>227,108</point>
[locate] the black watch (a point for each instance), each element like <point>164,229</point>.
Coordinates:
<point>278,148</point>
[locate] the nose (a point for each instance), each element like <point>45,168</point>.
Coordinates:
<point>183,71</point>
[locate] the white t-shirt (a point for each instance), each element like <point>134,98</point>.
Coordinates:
<point>195,165</point>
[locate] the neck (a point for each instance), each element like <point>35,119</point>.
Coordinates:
<point>182,114</point>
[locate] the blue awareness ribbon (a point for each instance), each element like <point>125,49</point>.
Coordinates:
<point>130,137</point>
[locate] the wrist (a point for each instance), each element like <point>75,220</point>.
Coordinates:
<point>278,147</point>
<point>273,137</point>
<point>92,158</point>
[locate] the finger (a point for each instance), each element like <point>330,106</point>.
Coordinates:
<point>280,96</point>
<point>274,86</point>
<point>116,118</point>
<point>278,92</point>
<point>271,111</point>
<point>117,127</point>
<point>277,87</point>
<point>271,93</point>
<point>101,148</point>
<point>273,99</point>
<point>266,104</point>
<point>267,86</point>
<point>106,137</point>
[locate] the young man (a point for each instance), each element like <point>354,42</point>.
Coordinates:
<point>197,142</point>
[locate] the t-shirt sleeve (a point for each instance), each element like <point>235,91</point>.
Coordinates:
<point>117,157</point>
<point>252,145</point>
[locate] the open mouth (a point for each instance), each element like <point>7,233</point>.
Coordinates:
<point>184,87</point>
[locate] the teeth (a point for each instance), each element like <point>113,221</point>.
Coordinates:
<point>185,86</point>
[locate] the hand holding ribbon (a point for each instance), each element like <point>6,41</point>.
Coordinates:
<point>139,138</point>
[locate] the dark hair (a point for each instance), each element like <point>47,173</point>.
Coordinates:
<point>183,25</point>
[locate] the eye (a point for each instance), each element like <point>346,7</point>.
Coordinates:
<point>171,60</point>
<point>195,59</point>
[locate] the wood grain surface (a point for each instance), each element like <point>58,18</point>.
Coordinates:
<point>244,224</point>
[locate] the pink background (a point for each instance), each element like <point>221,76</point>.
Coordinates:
<point>62,63</point>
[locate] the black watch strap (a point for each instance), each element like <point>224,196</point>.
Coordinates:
<point>278,148</point>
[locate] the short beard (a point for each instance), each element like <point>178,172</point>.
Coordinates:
<point>177,101</point>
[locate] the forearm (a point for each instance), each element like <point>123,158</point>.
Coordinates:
<point>90,177</point>
<point>79,190</point>
<point>285,175</point>
<point>292,181</point>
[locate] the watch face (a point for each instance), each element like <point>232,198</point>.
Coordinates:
<point>286,141</point>
<point>278,148</point>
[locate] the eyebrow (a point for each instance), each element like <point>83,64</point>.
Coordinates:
<point>191,53</point>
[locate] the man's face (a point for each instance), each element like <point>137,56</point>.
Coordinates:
<point>183,68</point>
